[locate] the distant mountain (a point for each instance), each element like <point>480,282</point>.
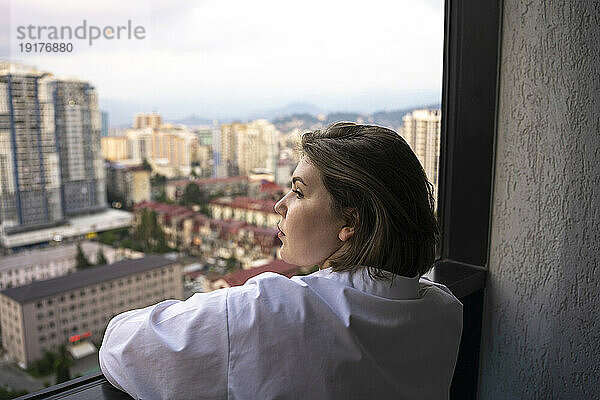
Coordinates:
<point>298,115</point>
<point>305,121</point>
<point>192,120</point>
<point>347,116</point>
<point>393,119</point>
<point>290,109</point>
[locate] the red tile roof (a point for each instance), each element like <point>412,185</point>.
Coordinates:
<point>227,226</point>
<point>271,187</point>
<point>168,209</point>
<point>209,181</point>
<point>247,203</point>
<point>260,230</point>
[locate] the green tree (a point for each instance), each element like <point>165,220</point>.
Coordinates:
<point>192,195</point>
<point>149,234</point>
<point>7,393</point>
<point>157,184</point>
<point>114,236</point>
<point>158,179</point>
<point>232,263</point>
<point>81,260</point>
<point>100,258</point>
<point>43,365</point>
<point>146,165</point>
<point>61,366</point>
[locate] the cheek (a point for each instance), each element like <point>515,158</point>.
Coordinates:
<point>312,236</point>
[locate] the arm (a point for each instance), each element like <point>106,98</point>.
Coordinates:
<point>172,350</point>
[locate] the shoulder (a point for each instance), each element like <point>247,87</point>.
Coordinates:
<point>265,288</point>
<point>440,298</point>
<point>272,286</point>
<point>274,300</point>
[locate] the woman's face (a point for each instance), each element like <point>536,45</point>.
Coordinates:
<point>309,228</point>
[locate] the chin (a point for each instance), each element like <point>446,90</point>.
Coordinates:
<point>285,257</point>
<point>283,254</point>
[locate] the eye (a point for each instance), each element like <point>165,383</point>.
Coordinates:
<point>298,193</point>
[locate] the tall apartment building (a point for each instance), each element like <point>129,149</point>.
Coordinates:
<point>147,120</point>
<point>46,314</point>
<point>115,148</point>
<point>248,146</point>
<point>105,124</point>
<point>30,182</point>
<point>173,149</point>
<point>257,147</point>
<point>421,129</point>
<point>78,137</point>
<point>205,136</point>
<point>139,143</point>
<point>227,163</point>
<point>217,166</point>
<point>50,161</point>
<point>169,149</point>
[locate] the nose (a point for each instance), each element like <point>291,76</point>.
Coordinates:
<point>280,207</point>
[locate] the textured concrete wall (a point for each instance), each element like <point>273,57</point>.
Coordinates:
<point>541,335</point>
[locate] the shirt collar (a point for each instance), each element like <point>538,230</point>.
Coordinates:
<point>400,288</point>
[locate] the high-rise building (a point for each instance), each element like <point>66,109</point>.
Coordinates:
<point>218,169</point>
<point>149,120</point>
<point>169,149</point>
<point>172,150</point>
<point>30,183</point>
<point>257,147</point>
<point>50,161</point>
<point>248,146</point>
<point>140,144</point>
<point>421,129</point>
<point>105,124</point>
<point>228,149</point>
<point>115,148</point>
<point>205,136</point>
<point>78,138</point>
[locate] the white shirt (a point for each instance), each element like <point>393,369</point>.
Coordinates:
<point>327,335</point>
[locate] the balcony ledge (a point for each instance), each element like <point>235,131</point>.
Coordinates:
<point>90,387</point>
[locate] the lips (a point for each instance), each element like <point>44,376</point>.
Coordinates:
<point>280,232</point>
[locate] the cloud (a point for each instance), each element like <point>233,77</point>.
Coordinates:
<point>259,51</point>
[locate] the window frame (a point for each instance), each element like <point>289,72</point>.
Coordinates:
<point>467,148</point>
<point>472,37</point>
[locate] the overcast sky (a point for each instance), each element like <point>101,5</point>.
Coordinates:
<point>229,58</point>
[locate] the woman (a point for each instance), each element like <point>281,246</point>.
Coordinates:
<point>364,326</point>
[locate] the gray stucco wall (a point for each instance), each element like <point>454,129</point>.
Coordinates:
<point>541,331</point>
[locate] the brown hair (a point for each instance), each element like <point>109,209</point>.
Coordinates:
<point>378,186</point>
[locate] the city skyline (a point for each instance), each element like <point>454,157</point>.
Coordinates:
<point>210,59</point>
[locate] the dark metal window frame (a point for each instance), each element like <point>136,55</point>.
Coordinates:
<point>469,104</point>
<point>469,109</point>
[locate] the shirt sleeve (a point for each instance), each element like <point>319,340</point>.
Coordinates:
<point>174,349</point>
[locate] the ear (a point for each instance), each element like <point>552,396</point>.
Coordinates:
<point>351,219</point>
<point>346,233</point>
